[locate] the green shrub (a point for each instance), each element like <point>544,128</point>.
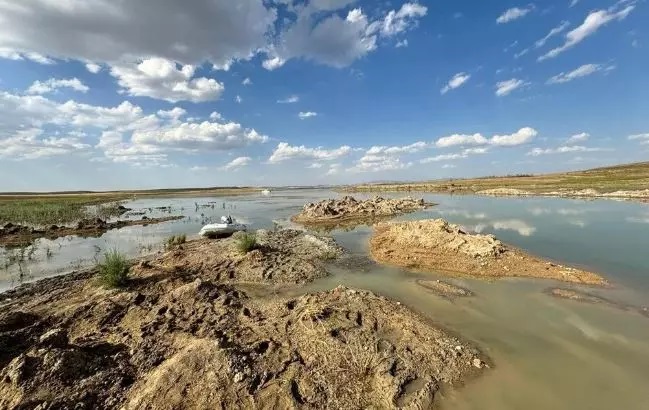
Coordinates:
<point>247,242</point>
<point>113,271</point>
<point>175,240</point>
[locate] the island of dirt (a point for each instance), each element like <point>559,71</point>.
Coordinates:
<point>585,297</point>
<point>183,334</point>
<point>444,289</point>
<point>440,246</point>
<point>349,211</point>
<point>19,235</point>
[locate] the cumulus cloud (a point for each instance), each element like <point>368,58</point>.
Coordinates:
<point>593,22</point>
<point>236,163</point>
<point>289,100</point>
<point>582,71</point>
<point>457,81</point>
<point>520,137</point>
<point>504,88</point>
<point>514,13</point>
<point>449,157</point>
<point>642,138</point>
<point>93,68</point>
<point>379,163</point>
<point>307,114</point>
<point>31,144</point>
<point>337,41</point>
<point>163,79</point>
<point>286,152</point>
<point>581,137</point>
<point>54,84</point>
<point>218,31</point>
<point>247,81</point>
<point>557,30</point>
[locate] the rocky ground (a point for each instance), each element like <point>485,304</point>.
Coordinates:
<point>184,335</point>
<point>19,235</point>
<point>440,246</point>
<point>349,210</point>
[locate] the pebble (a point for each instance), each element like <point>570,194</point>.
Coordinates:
<point>238,377</point>
<point>477,363</point>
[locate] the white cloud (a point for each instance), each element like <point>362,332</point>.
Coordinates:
<point>236,163</point>
<point>449,166</point>
<point>218,31</point>
<point>643,138</point>
<point>582,71</point>
<point>513,14</point>
<point>520,137</point>
<point>238,99</point>
<point>247,81</point>
<point>379,163</point>
<point>307,114</point>
<point>522,53</point>
<point>461,139</point>
<point>581,137</point>
<point>573,3</point>
<point>285,152</point>
<point>289,100</point>
<point>504,88</point>
<point>563,150</point>
<point>402,43</point>
<point>93,68</point>
<point>30,144</point>
<point>396,150</point>
<point>557,30</point>
<point>198,168</point>
<point>174,114</point>
<point>457,81</point>
<point>316,165</point>
<point>593,22</point>
<point>216,116</point>
<point>442,157</point>
<point>54,84</point>
<point>334,169</point>
<point>337,41</point>
<point>163,79</point>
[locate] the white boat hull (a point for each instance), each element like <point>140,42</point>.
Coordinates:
<point>222,229</point>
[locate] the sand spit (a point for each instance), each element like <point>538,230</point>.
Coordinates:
<point>568,193</point>
<point>585,297</point>
<point>444,289</point>
<point>504,192</point>
<point>338,212</point>
<point>183,335</point>
<point>18,235</point>
<point>438,245</point>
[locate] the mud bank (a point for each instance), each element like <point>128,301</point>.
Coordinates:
<point>585,297</point>
<point>440,246</point>
<point>444,289</point>
<point>19,235</point>
<point>350,211</point>
<point>641,195</point>
<point>183,335</point>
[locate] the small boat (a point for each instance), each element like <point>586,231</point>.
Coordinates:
<point>228,226</point>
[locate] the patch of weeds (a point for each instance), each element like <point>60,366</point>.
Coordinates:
<point>247,242</point>
<point>114,270</point>
<point>175,240</point>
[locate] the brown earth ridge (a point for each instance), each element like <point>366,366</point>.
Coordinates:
<point>438,245</point>
<point>185,334</point>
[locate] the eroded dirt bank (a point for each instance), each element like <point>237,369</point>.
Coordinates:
<point>19,235</point>
<point>349,210</point>
<point>438,245</point>
<point>183,334</point>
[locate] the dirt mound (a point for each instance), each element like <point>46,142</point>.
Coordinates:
<point>18,235</point>
<point>185,340</point>
<point>504,192</point>
<point>440,246</point>
<point>585,297</point>
<point>282,257</point>
<point>349,209</point>
<point>444,289</point>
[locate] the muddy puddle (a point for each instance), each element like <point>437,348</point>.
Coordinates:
<point>548,352</point>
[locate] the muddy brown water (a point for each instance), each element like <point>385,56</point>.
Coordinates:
<point>548,352</point>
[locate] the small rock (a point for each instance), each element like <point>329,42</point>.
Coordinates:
<point>458,348</point>
<point>477,363</point>
<point>54,338</point>
<point>238,377</point>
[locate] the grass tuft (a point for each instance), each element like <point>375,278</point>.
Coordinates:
<point>247,242</point>
<point>114,270</point>
<point>175,240</point>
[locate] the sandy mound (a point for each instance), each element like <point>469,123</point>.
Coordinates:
<point>283,257</point>
<point>504,192</point>
<point>349,209</point>
<point>180,341</point>
<point>438,245</point>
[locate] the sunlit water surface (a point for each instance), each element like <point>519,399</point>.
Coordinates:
<point>549,353</point>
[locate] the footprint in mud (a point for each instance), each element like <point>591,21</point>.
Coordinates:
<point>444,289</point>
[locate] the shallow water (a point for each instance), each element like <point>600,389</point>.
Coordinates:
<point>549,353</point>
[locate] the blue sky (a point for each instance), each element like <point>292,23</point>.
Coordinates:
<point>104,94</point>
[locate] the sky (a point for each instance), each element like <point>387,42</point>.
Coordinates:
<point>117,94</point>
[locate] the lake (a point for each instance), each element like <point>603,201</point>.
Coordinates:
<point>548,353</point>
